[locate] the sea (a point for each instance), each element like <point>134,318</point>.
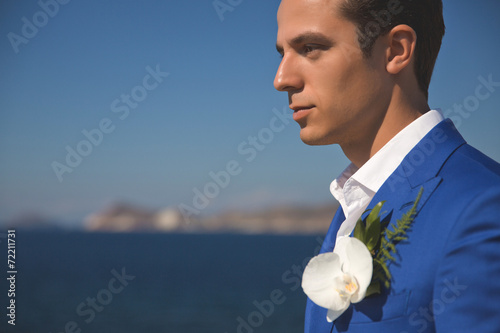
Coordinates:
<point>73,282</point>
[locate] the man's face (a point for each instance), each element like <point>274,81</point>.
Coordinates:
<point>337,95</point>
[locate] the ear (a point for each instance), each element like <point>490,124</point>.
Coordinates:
<point>402,41</point>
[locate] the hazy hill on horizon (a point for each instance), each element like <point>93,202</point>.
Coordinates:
<point>126,217</point>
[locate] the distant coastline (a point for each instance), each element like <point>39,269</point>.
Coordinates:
<point>127,218</point>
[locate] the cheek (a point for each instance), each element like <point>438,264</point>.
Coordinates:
<point>339,77</point>
<point>338,89</point>
<point>348,96</point>
<point>360,87</point>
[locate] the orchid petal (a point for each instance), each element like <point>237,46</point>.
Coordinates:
<point>357,261</point>
<point>336,279</point>
<point>319,281</point>
<point>331,315</point>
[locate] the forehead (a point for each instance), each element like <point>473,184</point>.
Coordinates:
<point>296,16</point>
<point>305,6</point>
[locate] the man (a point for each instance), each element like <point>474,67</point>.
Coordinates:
<point>357,74</point>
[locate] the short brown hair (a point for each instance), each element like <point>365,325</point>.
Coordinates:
<point>375,18</point>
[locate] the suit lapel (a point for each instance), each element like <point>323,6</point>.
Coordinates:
<point>420,168</point>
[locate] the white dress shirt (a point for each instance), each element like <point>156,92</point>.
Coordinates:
<point>355,188</point>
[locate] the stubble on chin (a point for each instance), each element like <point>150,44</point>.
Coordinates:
<point>310,138</point>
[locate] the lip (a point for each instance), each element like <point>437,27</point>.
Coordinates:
<point>300,112</point>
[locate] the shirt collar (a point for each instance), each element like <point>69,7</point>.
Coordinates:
<point>378,168</point>
<point>369,178</point>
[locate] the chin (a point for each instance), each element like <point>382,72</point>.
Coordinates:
<point>313,139</point>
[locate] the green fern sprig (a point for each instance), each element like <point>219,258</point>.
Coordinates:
<point>381,242</point>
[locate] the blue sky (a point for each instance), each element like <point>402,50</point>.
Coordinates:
<point>86,55</point>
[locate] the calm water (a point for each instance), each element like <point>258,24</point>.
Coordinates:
<point>81,282</point>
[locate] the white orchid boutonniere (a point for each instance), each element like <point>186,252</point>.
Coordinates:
<point>336,279</point>
<point>357,267</point>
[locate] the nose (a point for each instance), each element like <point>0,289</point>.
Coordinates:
<point>287,77</point>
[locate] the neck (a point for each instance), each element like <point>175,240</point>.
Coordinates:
<point>401,112</point>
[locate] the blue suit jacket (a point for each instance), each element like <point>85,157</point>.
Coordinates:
<point>446,277</point>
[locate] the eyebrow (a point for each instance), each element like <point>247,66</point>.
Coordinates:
<point>307,37</point>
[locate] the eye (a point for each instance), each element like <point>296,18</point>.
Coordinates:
<point>311,49</point>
